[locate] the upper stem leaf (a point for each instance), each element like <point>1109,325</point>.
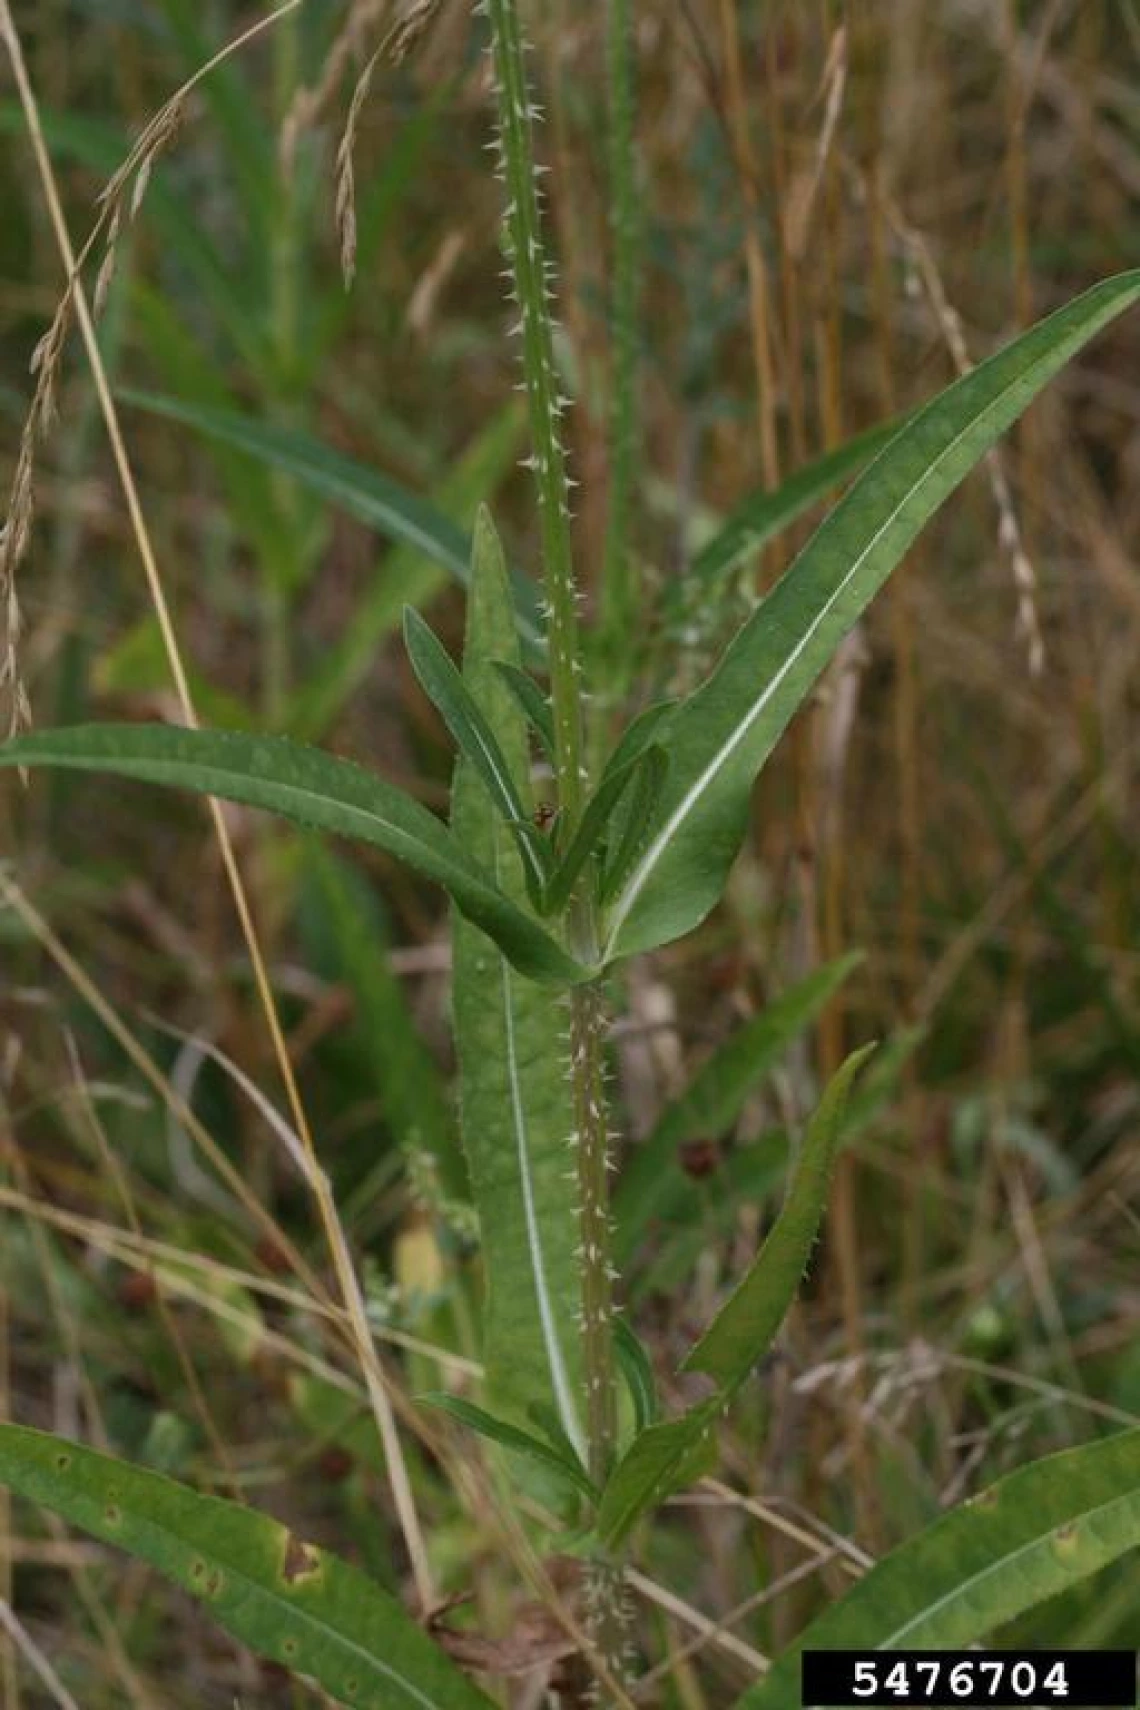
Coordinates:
<point>720,737</point>
<point>441,682</point>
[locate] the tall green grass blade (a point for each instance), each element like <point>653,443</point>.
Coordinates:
<point>290,1602</point>
<point>234,109</point>
<point>312,789</point>
<point>407,576</point>
<point>363,493</point>
<point>763,516</point>
<point>743,1329</point>
<point>189,368</point>
<point>137,664</point>
<point>1029,1537</point>
<point>721,736</point>
<point>653,1184</point>
<point>441,682</point>
<point>634,815</point>
<point>408,1082</point>
<point>663,1458</point>
<point>511,1038</point>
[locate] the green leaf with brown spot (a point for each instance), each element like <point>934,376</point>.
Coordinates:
<point>286,1599</point>
<point>1029,1537</point>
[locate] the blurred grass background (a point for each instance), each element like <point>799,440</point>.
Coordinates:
<point>839,204</point>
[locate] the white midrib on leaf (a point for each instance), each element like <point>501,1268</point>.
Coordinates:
<point>509,800</point>
<point>649,861</point>
<point>559,1376</point>
<point>167,1530</point>
<point>1002,1565</point>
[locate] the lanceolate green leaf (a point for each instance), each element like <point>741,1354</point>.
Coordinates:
<point>661,1460</point>
<point>532,701</point>
<point>565,1465</point>
<point>364,493</point>
<point>653,1182</point>
<point>511,1038</point>
<point>667,1456</point>
<point>634,815</point>
<point>287,1600</point>
<point>312,789</point>
<point>1027,1538</point>
<point>441,682</point>
<point>631,822</point>
<point>720,737</point>
<point>637,1369</point>
<point>595,818</point>
<point>743,1329</point>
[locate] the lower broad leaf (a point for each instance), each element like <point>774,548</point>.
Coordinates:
<point>1029,1537</point>
<point>288,1601</point>
<point>513,1050</point>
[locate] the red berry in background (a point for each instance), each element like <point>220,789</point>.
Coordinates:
<point>136,1290</point>
<point>334,1464</point>
<point>272,1257</point>
<point>700,1158</point>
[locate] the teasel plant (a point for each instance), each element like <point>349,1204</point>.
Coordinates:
<point>548,900</point>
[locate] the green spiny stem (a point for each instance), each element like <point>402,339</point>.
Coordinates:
<point>619,590</point>
<point>606,1608</point>
<point>530,274</point>
<point>587,1048</point>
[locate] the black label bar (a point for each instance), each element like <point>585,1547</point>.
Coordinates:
<point>1083,1680</point>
